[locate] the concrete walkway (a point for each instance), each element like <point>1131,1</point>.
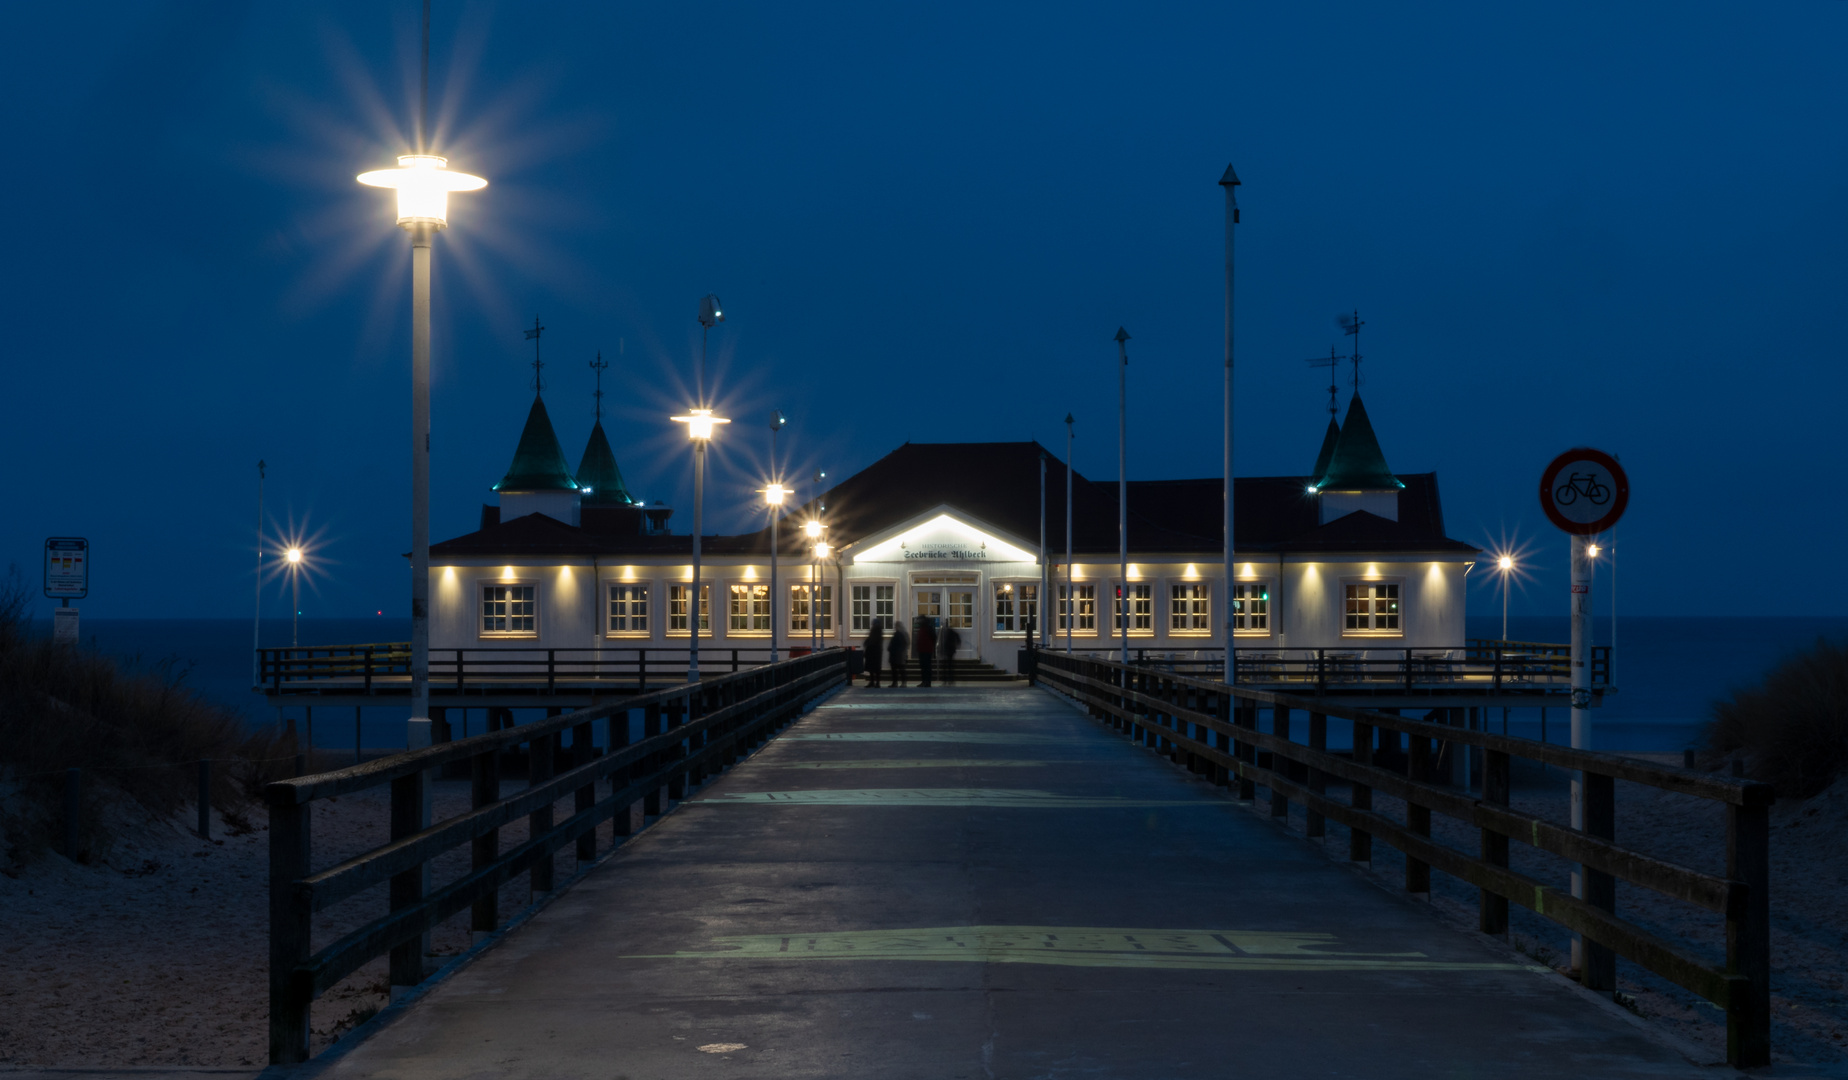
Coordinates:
<point>981,882</point>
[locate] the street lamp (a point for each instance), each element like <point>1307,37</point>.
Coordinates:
<point>294,555</point>
<point>1506,565</point>
<point>774,494</point>
<point>711,312</point>
<point>423,183</point>
<point>813,529</point>
<point>699,424</point>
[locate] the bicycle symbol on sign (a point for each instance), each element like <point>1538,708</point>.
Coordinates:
<point>1585,484</point>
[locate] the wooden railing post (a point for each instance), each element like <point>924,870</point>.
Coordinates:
<point>583,752</point>
<point>1492,909</point>
<point>1417,818</point>
<point>1600,970</point>
<point>624,819</point>
<point>484,790</point>
<point>651,725</point>
<point>542,759</point>
<point>407,889</point>
<point>290,924</point>
<point>1280,727</point>
<point>1246,753</point>
<point>1748,936</point>
<point>1222,711</point>
<point>1360,796</point>
<point>1318,780</point>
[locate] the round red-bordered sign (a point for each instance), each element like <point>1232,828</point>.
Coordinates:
<point>1584,491</point>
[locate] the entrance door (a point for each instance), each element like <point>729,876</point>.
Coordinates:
<point>949,602</point>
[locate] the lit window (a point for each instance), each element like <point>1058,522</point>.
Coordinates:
<point>628,608</point>
<point>874,605</point>
<point>1141,608</point>
<point>677,598</point>
<point>750,608</point>
<point>1373,607</point>
<point>1016,606</point>
<point>1251,607</point>
<point>1078,608</point>
<point>508,609</point>
<point>1189,608</point>
<point>799,608</point>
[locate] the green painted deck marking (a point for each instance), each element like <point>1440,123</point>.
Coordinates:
<point>919,763</point>
<point>1082,946</point>
<point>928,736</point>
<point>1017,798</point>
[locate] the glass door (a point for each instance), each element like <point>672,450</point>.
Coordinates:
<point>948,600</point>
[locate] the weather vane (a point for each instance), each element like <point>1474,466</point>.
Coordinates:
<point>599,365</point>
<point>1333,363</point>
<point>1351,324</point>
<point>538,364</point>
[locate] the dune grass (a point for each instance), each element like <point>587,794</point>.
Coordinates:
<point>137,731</point>
<point>1791,729</point>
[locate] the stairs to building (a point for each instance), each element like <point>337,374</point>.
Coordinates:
<point>973,671</point>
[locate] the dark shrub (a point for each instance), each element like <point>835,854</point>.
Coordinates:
<point>1792,728</point>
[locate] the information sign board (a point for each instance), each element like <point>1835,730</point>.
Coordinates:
<point>67,568</point>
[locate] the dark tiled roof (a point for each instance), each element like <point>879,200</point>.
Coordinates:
<point>1358,463</point>
<point>539,462</point>
<point>1329,441</point>
<point>597,475</point>
<point>998,483</point>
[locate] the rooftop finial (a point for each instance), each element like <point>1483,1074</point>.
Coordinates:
<point>1333,363</point>
<point>1351,324</point>
<point>599,365</point>
<point>538,364</point>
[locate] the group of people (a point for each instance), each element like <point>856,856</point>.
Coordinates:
<point>925,640</point>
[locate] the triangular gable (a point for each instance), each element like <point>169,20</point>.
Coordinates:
<point>941,534</point>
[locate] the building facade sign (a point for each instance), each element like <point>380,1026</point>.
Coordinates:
<point>958,554</point>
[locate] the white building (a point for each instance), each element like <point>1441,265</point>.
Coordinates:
<point>1348,558</point>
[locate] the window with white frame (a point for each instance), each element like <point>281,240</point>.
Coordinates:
<point>799,607</point>
<point>1078,608</point>
<point>874,605</point>
<point>1016,606</point>
<point>509,609</point>
<point>628,608</point>
<point>750,609</point>
<point>1372,607</point>
<point>1251,607</point>
<point>1135,603</point>
<point>677,603</point>
<point>1190,608</point>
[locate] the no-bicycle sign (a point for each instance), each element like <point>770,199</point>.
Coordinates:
<point>1584,491</point>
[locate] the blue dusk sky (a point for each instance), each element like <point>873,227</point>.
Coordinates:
<point>1583,224</point>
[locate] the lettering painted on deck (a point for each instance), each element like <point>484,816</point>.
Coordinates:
<point>920,763</point>
<point>928,736</point>
<point>1081,946</point>
<point>996,797</point>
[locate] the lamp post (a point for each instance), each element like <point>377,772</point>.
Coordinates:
<point>423,183</point>
<point>699,429</point>
<point>256,632</point>
<point>1071,599</point>
<point>813,530</point>
<point>1122,613</point>
<point>822,551</point>
<point>1229,181</point>
<point>1506,565</point>
<point>774,494</point>
<point>294,555</point>
<point>711,312</point>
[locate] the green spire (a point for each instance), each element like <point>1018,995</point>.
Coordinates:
<point>539,463</point>
<point>1328,451</point>
<point>597,475</point>
<point>1357,463</point>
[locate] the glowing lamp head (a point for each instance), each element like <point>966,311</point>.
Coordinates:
<point>711,311</point>
<point>774,494</point>
<point>1505,563</point>
<point>812,528</point>
<point>700,424</point>
<point>294,554</point>
<point>822,549</point>
<point>423,182</point>
<point>1592,551</point>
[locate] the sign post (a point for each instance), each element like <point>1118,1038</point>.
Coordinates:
<point>1583,492</point>
<point>67,578</point>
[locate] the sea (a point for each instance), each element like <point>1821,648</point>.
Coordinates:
<point>1668,670</point>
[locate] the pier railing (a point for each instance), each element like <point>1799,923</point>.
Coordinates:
<point>1214,729</point>
<point>367,668</point>
<point>1479,663</point>
<point>688,733</point>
